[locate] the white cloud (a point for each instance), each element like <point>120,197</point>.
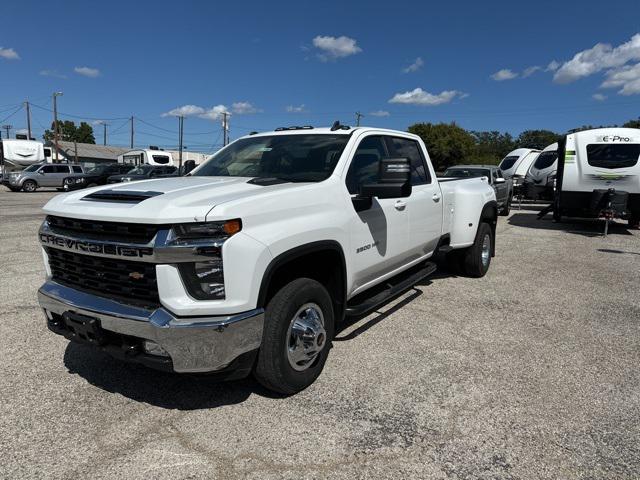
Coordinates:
<point>600,57</point>
<point>9,54</point>
<point>504,74</point>
<point>87,72</point>
<point>553,66</point>
<point>51,73</point>
<point>599,97</point>
<point>626,78</point>
<point>333,48</point>
<point>214,113</point>
<point>244,108</point>
<point>379,113</point>
<point>415,66</point>
<point>418,96</point>
<point>185,111</point>
<point>530,71</point>
<point>296,108</point>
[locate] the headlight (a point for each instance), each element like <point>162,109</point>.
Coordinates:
<point>79,180</point>
<point>204,280</point>
<point>185,233</point>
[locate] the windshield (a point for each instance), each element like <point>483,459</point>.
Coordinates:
<point>508,162</point>
<point>294,158</point>
<point>32,168</point>
<point>467,172</point>
<point>613,156</point>
<point>141,170</point>
<point>545,160</point>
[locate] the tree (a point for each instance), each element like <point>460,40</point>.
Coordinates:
<point>538,139</point>
<point>68,131</point>
<point>491,147</point>
<point>632,124</point>
<point>447,143</point>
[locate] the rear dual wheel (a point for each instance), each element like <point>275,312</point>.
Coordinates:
<point>475,260</point>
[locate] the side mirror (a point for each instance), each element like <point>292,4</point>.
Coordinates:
<point>499,180</point>
<point>394,180</point>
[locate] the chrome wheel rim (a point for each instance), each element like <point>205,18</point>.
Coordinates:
<point>306,337</point>
<point>29,187</point>
<point>486,250</point>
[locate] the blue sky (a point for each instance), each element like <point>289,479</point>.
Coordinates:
<point>284,63</point>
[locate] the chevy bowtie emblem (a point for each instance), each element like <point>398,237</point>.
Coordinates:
<point>136,275</point>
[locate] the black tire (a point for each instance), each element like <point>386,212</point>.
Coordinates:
<point>472,262</point>
<point>273,368</point>
<point>634,223</point>
<point>504,211</point>
<point>29,186</point>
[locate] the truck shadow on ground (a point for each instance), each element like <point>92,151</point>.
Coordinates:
<point>161,389</point>
<point>577,226</point>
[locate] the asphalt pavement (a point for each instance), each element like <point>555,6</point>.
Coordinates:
<point>530,372</point>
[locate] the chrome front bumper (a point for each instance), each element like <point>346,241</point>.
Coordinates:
<point>194,344</point>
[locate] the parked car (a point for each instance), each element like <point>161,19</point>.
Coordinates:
<point>540,181</point>
<point>95,176</point>
<point>255,270</point>
<point>144,172</point>
<point>502,186</point>
<point>41,175</point>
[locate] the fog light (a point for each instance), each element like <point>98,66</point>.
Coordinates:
<point>152,348</point>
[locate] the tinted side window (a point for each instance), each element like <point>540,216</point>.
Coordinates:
<point>364,166</point>
<point>61,169</point>
<point>405,148</point>
<point>77,169</point>
<point>48,169</point>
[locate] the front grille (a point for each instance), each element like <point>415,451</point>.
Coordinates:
<point>126,232</point>
<point>132,282</point>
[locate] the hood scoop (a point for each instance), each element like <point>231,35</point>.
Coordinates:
<point>120,196</point>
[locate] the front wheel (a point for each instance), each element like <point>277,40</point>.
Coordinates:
<point>298,328</point>
<point>29,186</point>
<point>506,209</point>
<point>476,259</point>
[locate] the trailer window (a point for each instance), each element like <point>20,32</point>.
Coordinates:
<point>161,159</point>
<point>508,162</point>
<point>545,160</point>
<point>613,156</point>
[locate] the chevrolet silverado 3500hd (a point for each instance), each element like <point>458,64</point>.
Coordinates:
<point>251,262</point>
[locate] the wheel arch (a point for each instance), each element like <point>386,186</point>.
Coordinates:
<point>489,214</point>
<point>310,260</point>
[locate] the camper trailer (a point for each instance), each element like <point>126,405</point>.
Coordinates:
<point>539,183</point>
<point>148,156</point>
<point>516,165</point>
<point>599,175</point>
<point>16,155</point>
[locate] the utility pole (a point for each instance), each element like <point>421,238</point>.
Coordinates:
<point>358,117</point>
<point>225,128</point>
<point>28,107</point>
<point>104,132</point>
<point>131,146</point>
<point>180,134</point>
<point>55,122</point>
<point>8,129</point>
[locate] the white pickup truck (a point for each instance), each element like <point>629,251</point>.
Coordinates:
<point>251,262</point>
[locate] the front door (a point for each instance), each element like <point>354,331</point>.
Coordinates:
<point>380,234</point>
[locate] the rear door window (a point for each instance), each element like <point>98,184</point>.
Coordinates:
<point>405,148</point>
<point>613,156</point>
<point>61,169</point>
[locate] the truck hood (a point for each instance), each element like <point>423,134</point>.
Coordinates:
<point>170,200</point>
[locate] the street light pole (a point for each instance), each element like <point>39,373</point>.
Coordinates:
<point>55,122</point>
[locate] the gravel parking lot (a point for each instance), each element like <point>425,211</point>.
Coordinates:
<point>530,372</point>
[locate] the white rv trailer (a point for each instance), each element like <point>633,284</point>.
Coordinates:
<point>518,162</point>
<point>539,183</point>
<point>18,154</point>
<point>596,165</point>
<point>148,156</point>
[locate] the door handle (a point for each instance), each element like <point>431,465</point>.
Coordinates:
<point>400,205</point>
<point>436,197</point>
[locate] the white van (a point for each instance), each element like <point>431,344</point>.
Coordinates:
<point>595,162</point>
<point>540,181</point>
<point>148,156</point>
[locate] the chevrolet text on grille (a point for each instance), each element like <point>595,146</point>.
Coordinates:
<point>94,247</point>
